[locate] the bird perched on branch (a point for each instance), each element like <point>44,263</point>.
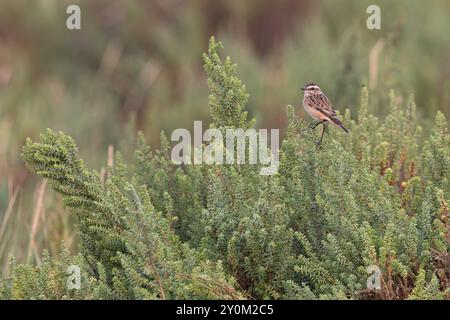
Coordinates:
<point>318,106</point>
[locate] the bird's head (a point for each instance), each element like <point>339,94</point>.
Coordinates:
<point>311,88</point>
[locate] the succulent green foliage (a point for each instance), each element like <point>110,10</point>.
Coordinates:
<point>426,290</point>
<point>228,95</point>
<point>436,154</point>
<point>48,281</point>
<point>128,247</point>
<point>376,197</point>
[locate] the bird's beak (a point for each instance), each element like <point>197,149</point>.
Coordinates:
<point>303,88</point>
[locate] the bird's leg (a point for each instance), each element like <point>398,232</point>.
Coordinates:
<point>313,125</point>
<point>323,131</point>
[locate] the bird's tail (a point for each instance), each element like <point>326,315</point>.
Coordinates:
<point>338,122</point>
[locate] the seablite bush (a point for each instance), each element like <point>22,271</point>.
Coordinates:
<point>154,230</point>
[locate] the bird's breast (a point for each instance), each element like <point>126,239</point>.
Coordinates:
<point>309,107</point>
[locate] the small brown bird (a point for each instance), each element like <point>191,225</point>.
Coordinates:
<point>318,106</point>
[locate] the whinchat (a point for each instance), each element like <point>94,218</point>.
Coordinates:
<point>318,106</point>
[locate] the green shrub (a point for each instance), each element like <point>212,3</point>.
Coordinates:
<point>378,196</point>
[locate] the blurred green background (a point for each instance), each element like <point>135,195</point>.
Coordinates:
<point>138,65</point>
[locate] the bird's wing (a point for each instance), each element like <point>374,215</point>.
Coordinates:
<point>323,105</point>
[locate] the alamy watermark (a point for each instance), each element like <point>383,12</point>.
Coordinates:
<point>241,147</point>
<point>73,21</point>
<point>74,277</point>
<point>374,281</point>
<point>374,20</point>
